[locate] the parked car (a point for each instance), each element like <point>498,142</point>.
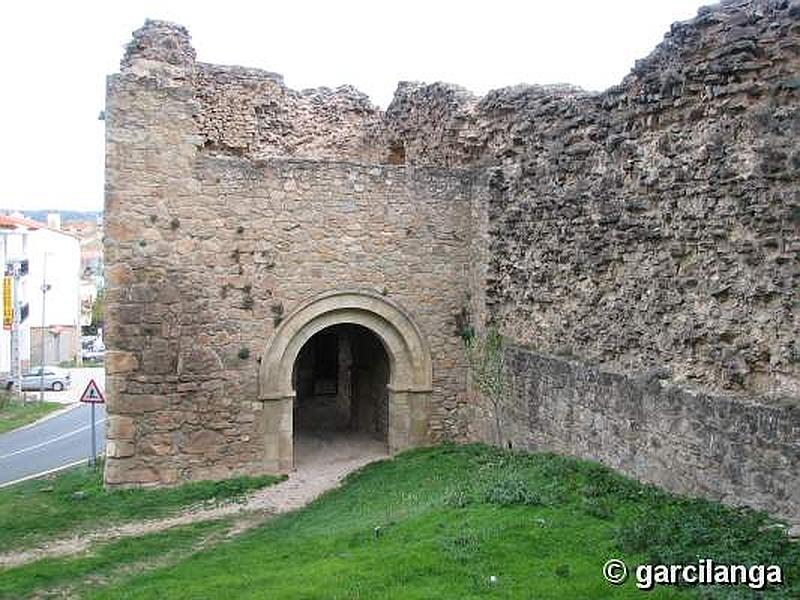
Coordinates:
<point>98,355</point>
<point>93,349</point>
<point>55,378</point>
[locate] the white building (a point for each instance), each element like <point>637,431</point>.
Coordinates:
<point>14,247</point>
<point>54,259</point>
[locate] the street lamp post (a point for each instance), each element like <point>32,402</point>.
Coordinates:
<point>16,355</point>
<point>45,289</point>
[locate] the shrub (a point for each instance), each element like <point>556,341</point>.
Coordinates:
<point>512,491</point>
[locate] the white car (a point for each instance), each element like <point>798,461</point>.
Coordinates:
<point>93,354</point>
<point>55,378</point>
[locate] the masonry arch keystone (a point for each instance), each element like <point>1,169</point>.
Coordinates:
<point>410,372</point>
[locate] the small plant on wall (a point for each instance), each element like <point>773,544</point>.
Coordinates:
<point>488,370</point>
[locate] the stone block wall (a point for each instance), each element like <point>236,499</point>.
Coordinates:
<point>216,272</point>
<point>695,443</point>
<point>209,246</point>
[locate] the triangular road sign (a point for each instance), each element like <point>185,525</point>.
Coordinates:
<point>92,394</point>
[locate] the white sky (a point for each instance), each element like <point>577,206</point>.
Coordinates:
<point>55,56</point>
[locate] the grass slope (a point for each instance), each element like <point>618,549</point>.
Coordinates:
<point>17,414</point>
<point>440,523</point>
<point>112,561</point>
<point>75,500</point>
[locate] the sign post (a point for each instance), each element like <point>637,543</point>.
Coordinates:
<point>92,395</point>
<point>14,313</point>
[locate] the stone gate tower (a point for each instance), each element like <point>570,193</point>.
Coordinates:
<point>262,250</point>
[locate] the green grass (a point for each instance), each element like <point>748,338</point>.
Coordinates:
<point>75,501</point>
<point>16,414</point>
<point>438,523</point>
<point>108,561</point>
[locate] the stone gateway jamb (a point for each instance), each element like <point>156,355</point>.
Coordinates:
<point>410,377</point>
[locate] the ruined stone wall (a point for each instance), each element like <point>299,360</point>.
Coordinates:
<point>648,232</point>
<point>649,235</point>
<point>652,225</point>
<point>208,246</point>
<point>248,112</point>
<point>701,444</point>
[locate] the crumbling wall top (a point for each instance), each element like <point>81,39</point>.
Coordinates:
<point>159,42</point>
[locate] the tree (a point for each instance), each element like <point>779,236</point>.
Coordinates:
<point>488,371</point>
<point>98,310</point>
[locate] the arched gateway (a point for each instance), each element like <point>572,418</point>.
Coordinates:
<point>410,373</point>
<point>224,337</point>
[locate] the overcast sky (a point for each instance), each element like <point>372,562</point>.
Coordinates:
<point>55,56</point>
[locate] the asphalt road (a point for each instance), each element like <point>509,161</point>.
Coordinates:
<point>55,442</point>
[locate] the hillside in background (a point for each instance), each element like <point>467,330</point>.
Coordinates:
<point>67,216</point>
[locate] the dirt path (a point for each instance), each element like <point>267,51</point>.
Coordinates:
<point>323,461</point>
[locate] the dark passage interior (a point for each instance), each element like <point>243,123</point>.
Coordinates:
<point>340,379</point>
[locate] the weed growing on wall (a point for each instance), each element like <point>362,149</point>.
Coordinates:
<point>488,371</point>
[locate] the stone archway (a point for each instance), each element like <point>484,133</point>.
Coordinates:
<point>410,371</point>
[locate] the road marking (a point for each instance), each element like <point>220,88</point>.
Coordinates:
<point>50,441</point>
<point>43,473</point>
